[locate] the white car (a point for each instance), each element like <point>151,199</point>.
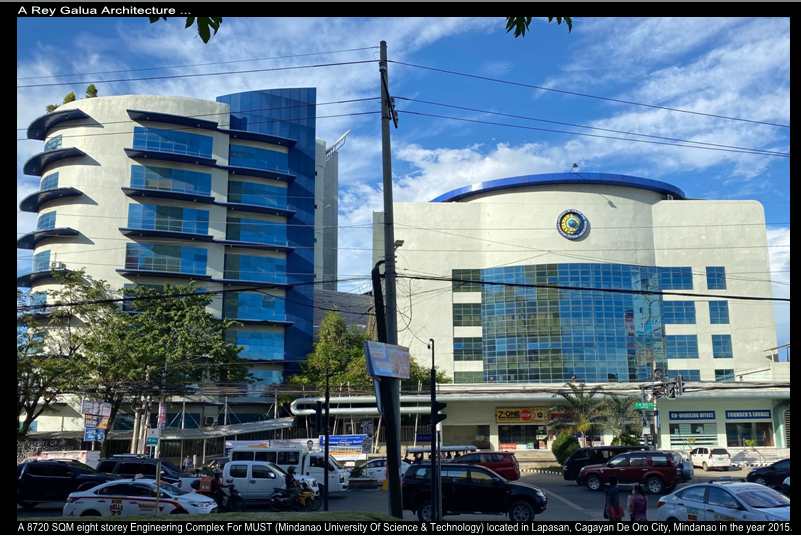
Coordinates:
<point>377,469</point>
<point>710,458</point>
<point>724,500</point>
<point>257,481</point>
<point>136,497</point>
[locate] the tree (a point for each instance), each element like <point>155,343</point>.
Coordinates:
<point>563,446</point>
<point>621,417</point>
<point>579,411</point>
<point>520,25</point>
<point>91,92</point>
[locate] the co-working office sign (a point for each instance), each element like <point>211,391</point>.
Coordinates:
<point>387,360</point>
<point>521,415</point>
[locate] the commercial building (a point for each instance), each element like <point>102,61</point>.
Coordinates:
<point>527,283</point>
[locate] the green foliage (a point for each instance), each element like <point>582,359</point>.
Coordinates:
<point>70,97</point>
<point>91,91</point>
<point>579,411</point>
<point>563,446</point>
<point>520,25</point>
<point>625,440</point>
<point>204,25</point>
<point>620,415</point>
<point>357,472</point>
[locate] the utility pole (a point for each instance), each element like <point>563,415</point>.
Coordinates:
<point>390,387</point>
<point>327,433</point>
<point>436,418</point>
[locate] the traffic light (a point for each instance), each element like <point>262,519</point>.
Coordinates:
<point>436,416</point>
<point>671,391</point>
<point>679,385</point>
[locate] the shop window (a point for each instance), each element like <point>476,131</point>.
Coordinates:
<point>738,432</point>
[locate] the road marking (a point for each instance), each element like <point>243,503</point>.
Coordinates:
<point>567,502</point>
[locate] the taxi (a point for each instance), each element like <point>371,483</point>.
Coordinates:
<point>136,497</point>
<point>724,500</point>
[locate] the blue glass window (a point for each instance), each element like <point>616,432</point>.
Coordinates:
<point>466,314</point>
<point>53,144</point>
<point>170,180</point>
<point>256,158</point>
<point>724,375</point>
<point>716,277</point>
<point>171,141</point>
<point>686,374</point>
<point>676,278</point>
<point>681,346</point>
<point>258,345</point>
<point>251,193</point>
<point>721,347</point>
<point>37,299</point>
<point>49,183</point>
<point>263,378</point>
<point>162,218</point>
<point>718,312</point>
<point>259,231</point>
<point>253,306</point>
<point>467,349</point>
<point>253,268</point>
<point>166,258</point>
<point>678,312</point>
<point>46,221</point>
<point>41,261</point>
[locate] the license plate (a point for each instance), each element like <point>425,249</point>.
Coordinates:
<point>721,459</point>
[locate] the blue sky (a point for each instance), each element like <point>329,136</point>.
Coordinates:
<point>737,68</point>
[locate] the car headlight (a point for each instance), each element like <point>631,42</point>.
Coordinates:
<point>201,504</point>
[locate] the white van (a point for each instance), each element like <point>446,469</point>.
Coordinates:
<point>256,481</point>
<point>306,463</point>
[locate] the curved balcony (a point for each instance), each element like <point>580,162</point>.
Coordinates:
<point>26,280</point>
<point>145,154</point>
<point>257,136</point>
<point>248,283</point>
<point>29,241</point>
<point>159,233</point>
<point>260,173</point>
<point>40,126</point>
<point>170,119</point>
<point>38,162</point>
<point>166,194</point>
<point>255,245</point>
<point>32,202</point>
<point>161,274</point>
<point>258,209</point>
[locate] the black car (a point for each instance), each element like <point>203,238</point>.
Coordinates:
<point>468,489</point>
<point>773,475</point>
<point>591,456</point>
<point>46,481</point>
<point>130,465</point>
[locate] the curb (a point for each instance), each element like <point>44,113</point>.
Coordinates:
<point>541,471</point>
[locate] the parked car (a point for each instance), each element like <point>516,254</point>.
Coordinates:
<point>786,486</point>
<point>724,501</point>
<point>711,458</point>
<point>772,475</point>
<point>131,465</point>
<point>377,468</point>
<point>503,463</point>
<point>593,455</point>
<point>256,481</point>
<point>656,470</point>
<point>136,497</point>
<point>46,481</point>
<point>468,489</point>
<point>311,464</point>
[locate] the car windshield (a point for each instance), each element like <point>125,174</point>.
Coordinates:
<point>764,498</point>
<point>720,451</point>
<point>81,467</point>
<point>172,490</point>
<point>334,462</point>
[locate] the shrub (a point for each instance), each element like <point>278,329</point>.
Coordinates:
<point>626,440</point>
<point>563,446</point>
<point>357,472</point>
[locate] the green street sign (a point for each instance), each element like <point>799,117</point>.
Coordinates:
<point>644,405</point>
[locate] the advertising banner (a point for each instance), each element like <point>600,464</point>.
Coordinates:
<point>521,415</point>
<point>387,360</point>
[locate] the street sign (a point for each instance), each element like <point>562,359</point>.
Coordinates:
<point>152,438</point>
<point>644,405</point>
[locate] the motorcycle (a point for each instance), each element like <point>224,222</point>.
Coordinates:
<point>282,499</point>
<point>232,499</point>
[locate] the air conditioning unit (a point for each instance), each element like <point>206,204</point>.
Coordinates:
<point>57,265</point>
<point>211,421</point>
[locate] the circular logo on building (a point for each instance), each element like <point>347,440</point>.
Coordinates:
<point>571,224</point>
<point>526,415</point>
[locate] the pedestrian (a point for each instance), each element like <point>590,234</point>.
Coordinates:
<point>613,511</point>
<point>187,463</point>
<point>638,505</point>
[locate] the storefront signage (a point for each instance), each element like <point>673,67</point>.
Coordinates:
<point>521,415</point>
<point>508,446</point>
<point>748,414</point>
<point>692,415</point>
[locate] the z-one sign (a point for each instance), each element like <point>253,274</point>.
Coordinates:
<point>521,415</point>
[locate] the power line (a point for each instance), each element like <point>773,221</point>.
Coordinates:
<point>489,79</point>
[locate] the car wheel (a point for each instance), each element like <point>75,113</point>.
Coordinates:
<point>313,503</point>
<point>90,513</point>
<point>425,511</point>
<point>672,519</point>
<point>705,466</point>
<point>521,511</point>
<point>179,512</point>
<point>25,505</point>
<point>760,480</point>
<point>654,485</point>
<point>594,483</point>
<point>275,502</point>
<point>726,468</point>
<point>237,504</point>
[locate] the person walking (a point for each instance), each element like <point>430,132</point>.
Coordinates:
<point>187,463</point>
<point>613,511</point>
<point>638,505</point>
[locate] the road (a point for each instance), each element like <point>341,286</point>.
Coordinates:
<point>566,500</point>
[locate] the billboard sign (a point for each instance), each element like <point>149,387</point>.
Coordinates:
<point>387,360</point>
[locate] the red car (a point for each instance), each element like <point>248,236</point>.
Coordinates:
<point>503,463</point>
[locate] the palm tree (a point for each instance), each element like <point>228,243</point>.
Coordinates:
<point>620,414</point>
<point>579,412</point>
